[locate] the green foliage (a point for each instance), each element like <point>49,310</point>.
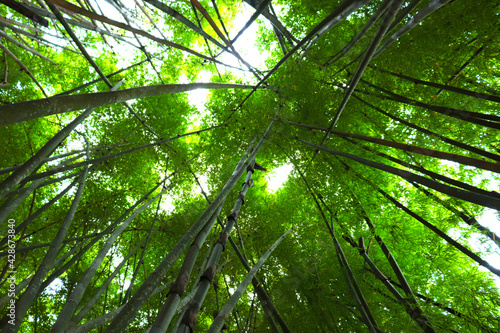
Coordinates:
<point>303,276</point>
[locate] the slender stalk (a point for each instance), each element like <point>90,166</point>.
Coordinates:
<point>214,4</point>
<point>310,35</point>
<point>85,85</point>
<point>120,25</point>
<point>167,312</point>
<point>143,252</point>
<point>67,240</point>
<point>274,21</point>
<point>415,20</point>
<point>26,11</point>
<point>443,138</point>
<point>483,119</point>
<point>440,233</point>
<point>262,6</point>
<point>73,152</point>
<point>383,7</point>
<point>12,202</point>
<point>24,47</point>
<point>93,300</point>
<point>467,218</point>
<point>460,194</point>
<point>433,175</point>
<point>485,165</point>
<point>29,296</point>
<point>99,321</point>
<point>23,111</point>
<point>98,160</point>
<point>384,26</point>
<point>461,69</point>
<point>189,317</point>
<point>141,7</point>
<point>181,18</point>
<point>429,225</point>
<point>23,67</point>
<point>227,309</point>
<point>36,160</point>
<point>404,12</point>
<point>209,19</point>
<point>357,294</point>
<point>414,312</point>
<point>462,91</point>
<point>344,9</point>
<point>410,297</point>
<point>356,291</point>
<point>74,298</point>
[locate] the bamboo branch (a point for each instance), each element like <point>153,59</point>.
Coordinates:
<point>485,165</point>
<point>231,303</point>
<point>23,67</point>
<point>30,294</point>
<point>457,193</point>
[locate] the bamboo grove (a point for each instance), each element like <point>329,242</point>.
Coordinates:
<point>128,203</point>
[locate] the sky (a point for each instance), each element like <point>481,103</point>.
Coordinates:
<point>198,98</point>
<point>250,53</point>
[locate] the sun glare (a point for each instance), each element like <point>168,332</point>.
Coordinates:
<point>246,47</point>
<point>278,176</point>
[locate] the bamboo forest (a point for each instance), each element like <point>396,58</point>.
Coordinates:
<point>249,166</point>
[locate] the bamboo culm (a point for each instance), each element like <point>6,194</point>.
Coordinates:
<point>229,306</point>
<point>189,318</point>
<point>29,296</point>
<point>143,293</point>
<point>476,198</point>
<point>167,312</point>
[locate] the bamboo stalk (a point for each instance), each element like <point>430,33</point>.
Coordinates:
<point>167,312</point>
<point>485,165</point>
<point>29,296</point>
<point>443,138</point>
<point>231,303</point>
<point>104,19</point>
<point>23,111</point>
<point>189,318</point>
<point>415,20</point>
<point>384,26</point>
<point>462,91</point>
<point>460,194</point>
<point>334,58</point>
<point>36,160</point>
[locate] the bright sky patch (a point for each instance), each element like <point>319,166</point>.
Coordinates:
<point>278,176</point>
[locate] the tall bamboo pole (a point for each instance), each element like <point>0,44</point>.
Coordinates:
<point>189,318</point>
